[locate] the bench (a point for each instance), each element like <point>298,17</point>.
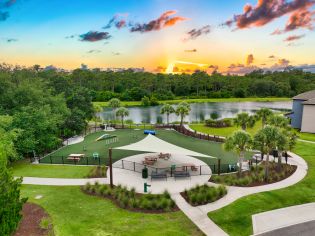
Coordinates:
<point>155,175</point>
<point>181,174</point>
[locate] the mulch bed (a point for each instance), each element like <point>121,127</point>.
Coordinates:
<point>132,209</point>
<point>30,223</point>
<point>259,183</point>
<point>184,195</point>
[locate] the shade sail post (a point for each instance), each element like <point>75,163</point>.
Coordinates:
<point>110,168</point>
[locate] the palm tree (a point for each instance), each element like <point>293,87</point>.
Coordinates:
<point>97,109</point>
<point>214,116</point>
<point>279,121</point>
<point>264,114</point>
<point>259,144</point>
<point>292,137</point>
<point>245,121</point>
<point>167,109</point>
<point>282,145</point>
<point>122,112</point>
<point>240,142</point>
<point>267,139</point>
<point>182,110</point>
<point>114,103</point>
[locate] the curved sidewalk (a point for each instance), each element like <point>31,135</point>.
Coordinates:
<point>62,182</point>
<point>198,215</point>
<point>235,193</point>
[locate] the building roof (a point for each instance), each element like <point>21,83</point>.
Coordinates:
<point>309,102</point>
<point>305,96</point>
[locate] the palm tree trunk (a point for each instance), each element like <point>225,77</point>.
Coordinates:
<point>181,120</point>
<point>114,109</point>
<point>240,161</point>
<point>267,167</point>
<point>279,160</point>
<point>167,117</point>
<point>122,121</point>
<point>244,127</point>
<point>95,125</point>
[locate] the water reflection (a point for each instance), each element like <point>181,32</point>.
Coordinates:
<point>199,111</point>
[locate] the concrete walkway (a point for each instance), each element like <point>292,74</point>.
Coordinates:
<point>199,214</point>
<point>306,141</point>
<point>190,129</point>
<point>62,182</point>
<point>235,193</point>
<point>73,140</point>
<point>283,217</point>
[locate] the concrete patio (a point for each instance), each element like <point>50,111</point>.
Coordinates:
<point>133,179</point>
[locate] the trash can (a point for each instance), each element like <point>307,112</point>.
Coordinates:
<point>145,173</point>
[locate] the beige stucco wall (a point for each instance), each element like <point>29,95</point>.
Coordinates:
<point>308,119</point>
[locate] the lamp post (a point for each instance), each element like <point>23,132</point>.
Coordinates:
<point>110,168</point>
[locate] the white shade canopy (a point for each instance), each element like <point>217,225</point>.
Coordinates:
<point>156,145</point>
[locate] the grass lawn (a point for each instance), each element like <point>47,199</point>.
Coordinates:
<point>25,169</point>
<point>223,131</point>
<point>131,136</point>
<point>138,103</point>
<point>75,213</point>
<point>235,218</point>
<point>307,136</point>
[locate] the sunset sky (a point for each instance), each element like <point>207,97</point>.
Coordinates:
<point>159,35</point>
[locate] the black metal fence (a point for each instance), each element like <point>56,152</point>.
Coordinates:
<point>195,134</point>
<point>87,160</point>
<point>193,170</point>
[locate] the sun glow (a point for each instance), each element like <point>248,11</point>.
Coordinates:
<point>169,68</point>
<point>184,66</point>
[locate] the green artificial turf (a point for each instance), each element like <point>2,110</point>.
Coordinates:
<point>235,219</point>
<point>74,213</point>
<point>200,100</point>
<point>225,132</point>
<point>25,169</point>
<point>128,136</point>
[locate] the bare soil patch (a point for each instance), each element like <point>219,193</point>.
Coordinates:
<point>30,224</point>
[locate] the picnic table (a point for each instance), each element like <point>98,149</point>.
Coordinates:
<point>149,160</point>
<point>75,157</point>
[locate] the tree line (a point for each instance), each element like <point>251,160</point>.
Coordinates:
<point>43,108</point>
<point>134,86</point>
<point>49,105</point>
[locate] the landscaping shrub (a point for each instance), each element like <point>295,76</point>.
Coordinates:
<point>204,194</point>
<point>219,123</point>
<point>97,172</point>
<point>255,176</point>
<point>129,199</point>
<point>10,201</point>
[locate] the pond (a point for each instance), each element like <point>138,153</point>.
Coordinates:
<point>199,111</point>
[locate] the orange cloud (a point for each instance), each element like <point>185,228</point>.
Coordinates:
<point>165,20</point>
<point>293,38</point>
<point>266,11</point>
<point>174,20</point>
